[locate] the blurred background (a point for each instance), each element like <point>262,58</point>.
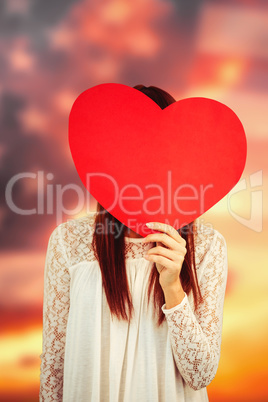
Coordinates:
<point>50,52</point>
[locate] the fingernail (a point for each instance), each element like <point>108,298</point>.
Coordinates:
<point>149,225</point>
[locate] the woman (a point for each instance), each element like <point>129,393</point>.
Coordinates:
<point>127,318</point>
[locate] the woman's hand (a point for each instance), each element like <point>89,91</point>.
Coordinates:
<point>168,254</point>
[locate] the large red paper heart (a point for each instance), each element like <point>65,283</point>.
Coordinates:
<point>145,164</point>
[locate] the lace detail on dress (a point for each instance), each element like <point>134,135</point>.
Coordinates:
<point>135,248</point>
<point>196,337</point>
<point>77,237</point>
<point>202,242</point>
<point>55,313</point>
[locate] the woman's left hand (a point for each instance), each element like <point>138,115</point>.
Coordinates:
<point>168,254</point>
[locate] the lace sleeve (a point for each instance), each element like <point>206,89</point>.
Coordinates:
<point>55,314</point>
<point>196,336</point>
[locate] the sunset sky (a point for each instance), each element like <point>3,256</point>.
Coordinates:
<point>50,52</point>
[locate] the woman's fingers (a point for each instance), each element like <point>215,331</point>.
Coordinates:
<point>167,229</point>
<point>169,238</point>
<point>168,255</point>
<point>163,262</point>
<point>166,252</point>
<point>167,241</point>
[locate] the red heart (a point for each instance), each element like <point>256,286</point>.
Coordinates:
<point>121,142</point>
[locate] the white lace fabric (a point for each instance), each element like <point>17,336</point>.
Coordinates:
<point>194,337</point>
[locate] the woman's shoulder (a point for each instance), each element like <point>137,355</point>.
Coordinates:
<point>79,226</point>
<point>206,232</point>
<point>206,237</point>
<point>75,236</point>
<point>78,230</point>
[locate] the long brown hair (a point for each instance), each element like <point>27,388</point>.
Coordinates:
<point>110,251</point>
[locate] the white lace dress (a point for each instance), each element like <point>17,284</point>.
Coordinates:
<point>88,356</point>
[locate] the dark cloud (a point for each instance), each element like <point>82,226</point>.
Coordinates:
<point>50,12</point>
<point>24,152</point>
<point>37,15</point>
